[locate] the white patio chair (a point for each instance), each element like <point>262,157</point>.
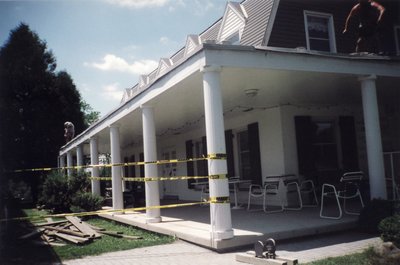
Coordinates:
<point>205,194</point>
<point>307,187</point>
<point>269,189</point>
<point>349,189</point>
<point>290,188</point>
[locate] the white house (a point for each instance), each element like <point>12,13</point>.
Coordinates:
<point>274,85</point>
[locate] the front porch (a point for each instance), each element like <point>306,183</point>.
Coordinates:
<point>193,224</point>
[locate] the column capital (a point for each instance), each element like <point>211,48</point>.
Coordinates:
<point>114,125</point>
<point>367,77</point>
<point>145,106</point>
<point>210,68</point>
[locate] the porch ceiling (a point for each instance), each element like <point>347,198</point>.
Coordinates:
<point>181,108</point>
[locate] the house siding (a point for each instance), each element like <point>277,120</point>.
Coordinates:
<point>212,32</point>
<point>259,12</point>
<point>289,32</point>
<point>233,23</point>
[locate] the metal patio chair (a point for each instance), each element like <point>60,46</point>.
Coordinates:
<point>307,188</point>
<point>269,189</point>
<point>349,188</point>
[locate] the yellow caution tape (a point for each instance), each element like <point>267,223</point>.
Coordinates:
<point>219,200</point>
<point>157,162</point>
<point>105,211</point>
<point>220,176</point>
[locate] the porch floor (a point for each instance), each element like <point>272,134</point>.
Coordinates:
<point>192,224</point>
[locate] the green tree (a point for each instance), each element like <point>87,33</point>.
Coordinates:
<point>90,115</point>
<point>35,101</point>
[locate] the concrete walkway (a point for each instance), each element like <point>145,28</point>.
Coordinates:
<point>304,249</point>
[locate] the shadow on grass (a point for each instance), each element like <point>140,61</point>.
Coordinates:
<point>15,251</point>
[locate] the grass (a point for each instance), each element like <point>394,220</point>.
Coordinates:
<point>367,257</point>
<point>109,243</point>
<point>14,251</point>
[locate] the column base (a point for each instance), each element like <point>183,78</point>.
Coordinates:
<point>221,235</point>
<point>153,220</point>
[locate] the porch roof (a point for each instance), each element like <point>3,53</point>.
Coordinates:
<point>282,76</point>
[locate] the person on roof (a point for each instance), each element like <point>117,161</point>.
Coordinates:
<point>69,131</point>
<point>370,15</point>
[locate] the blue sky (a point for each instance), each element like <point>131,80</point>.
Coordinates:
<point>106,44</point>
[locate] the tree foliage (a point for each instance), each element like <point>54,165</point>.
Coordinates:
<point>35,101</point>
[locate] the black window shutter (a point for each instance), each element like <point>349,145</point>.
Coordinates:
<point>189,164</point>
<point>254,148</point>
<point>349,143</point>
<point>304,137</point>
<point>229,153</point>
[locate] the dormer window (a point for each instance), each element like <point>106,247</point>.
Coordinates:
<point>320,34</point>
<point>234,38</point>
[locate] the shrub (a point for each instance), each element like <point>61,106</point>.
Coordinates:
<point>62,194</point>
<point>374,212</point>
<point>55,193</point>
<point>86,202</point>
<point>79,182</point>
<point>390,229</point>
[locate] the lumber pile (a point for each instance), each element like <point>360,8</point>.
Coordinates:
<point>71,230</point>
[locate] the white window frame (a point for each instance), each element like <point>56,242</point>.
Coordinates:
<point>331,28</point>
<point>396,29</point>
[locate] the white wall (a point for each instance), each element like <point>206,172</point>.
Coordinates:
<point>277,142</point>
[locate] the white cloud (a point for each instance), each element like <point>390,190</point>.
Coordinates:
<point>139,3</point>
<point>112,92</point>
<point>164,40</point>
<point>111,62</point>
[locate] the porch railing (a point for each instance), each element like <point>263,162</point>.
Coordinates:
<point>392,169</point>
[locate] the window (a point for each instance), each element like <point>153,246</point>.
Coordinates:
<point>397,38</point>
<point>201,166</point>
<point>320,34</point>
<point>324,146</point>
<point>244,155</point>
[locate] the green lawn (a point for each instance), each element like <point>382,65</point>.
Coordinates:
<point>367,257</point>
<point>109,243</point>
<point>15,251</point>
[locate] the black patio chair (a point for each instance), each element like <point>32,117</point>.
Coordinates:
<point>348,188</point>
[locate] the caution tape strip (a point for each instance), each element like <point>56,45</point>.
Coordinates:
<point>106,211</point>
<point>216,156</point>
<point>221,176</point>
<point>219,200</point>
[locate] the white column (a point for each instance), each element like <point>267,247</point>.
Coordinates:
<point>373,138</point>
<point>116,182</point>
<point>220,211</point>
<point>61,163</point>
<point>150,154</point>
<point>69,164</point>
<point>79,157</point>
<point>94,160</point>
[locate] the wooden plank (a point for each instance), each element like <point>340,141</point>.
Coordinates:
<point>97,228</point>
<point>66,231</point>
<point>119,234</point>
<point>34,233</point>
<point>72,239</point>
<point>251,259</point>
<point>52,223</point>
<point>82,226</point>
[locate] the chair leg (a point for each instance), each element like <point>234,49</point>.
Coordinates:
<point>298,196</point>
<point>358,194</point>
<point>311,190</point>
<point>280,209</point>
<point>326,194</point>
